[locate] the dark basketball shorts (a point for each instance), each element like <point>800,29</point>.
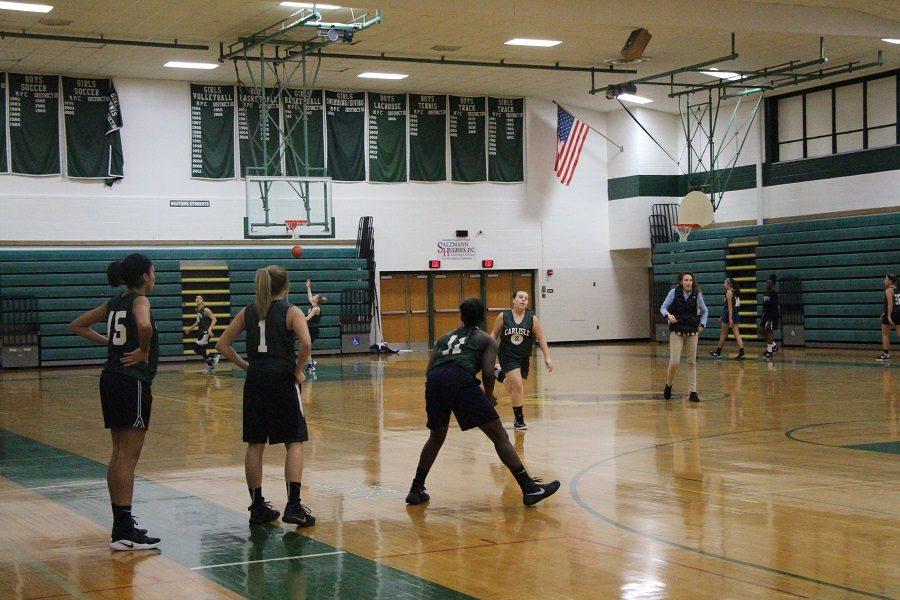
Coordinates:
<point>452,388</point>
<point>125,400</point>
<point>202,339</point>
<point>736,314</point>
<point>509,363</point>
<point>894,315</point>
<point>273,409</point>
<point>768,324</point>
<point>313,334</point>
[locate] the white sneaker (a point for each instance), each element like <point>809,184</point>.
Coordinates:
<point>216,360</point>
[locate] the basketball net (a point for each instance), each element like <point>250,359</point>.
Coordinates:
<point>293,227</point>
<point>684,230</point>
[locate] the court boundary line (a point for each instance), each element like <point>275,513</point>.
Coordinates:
<point>265,560</point>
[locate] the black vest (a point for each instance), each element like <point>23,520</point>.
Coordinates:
<point>686,313</point>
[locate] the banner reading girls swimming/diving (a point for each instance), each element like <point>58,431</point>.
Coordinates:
<point>467,138</point>
<point>506,118</point>
<point>212,131</point>
<point>427,137</point>
<point>93,119</point>
<point>387,137</point>
<point>296,162</point>
<point>34,124</point>
<point>345,118</point>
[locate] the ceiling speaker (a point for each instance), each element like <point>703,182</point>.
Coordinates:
<point>637,42</point>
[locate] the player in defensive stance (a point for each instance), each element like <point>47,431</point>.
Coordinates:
<point>517,330</point>
<point>451,386</point>
<point>204,324</point>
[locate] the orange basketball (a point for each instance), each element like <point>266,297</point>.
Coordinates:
<point>297,251</point>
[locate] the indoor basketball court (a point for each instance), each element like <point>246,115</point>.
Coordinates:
<point>615,283</point>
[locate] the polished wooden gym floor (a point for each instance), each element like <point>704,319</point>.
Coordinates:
<point>782,483</point>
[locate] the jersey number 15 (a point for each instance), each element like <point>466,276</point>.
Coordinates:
<point>115,328</point>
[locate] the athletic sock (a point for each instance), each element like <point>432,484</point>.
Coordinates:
<point>122,515</point>
<point>770,347</point>
<point>256,495</point>
<point>293,490</point>
<point>419,481</point>
<point>718,349</point>
<point>517,412</point>
<point>525,481</point>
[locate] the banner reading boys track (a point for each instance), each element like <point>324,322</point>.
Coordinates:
<point>212,131</point>
<point>92,118</point>
<point>258,132</point>
<point>345,116</point>
<point>427,138</point>
<point>467,138</point>
<point>4,166</point>
<point>295,152</point>
<point>387,137</point>
<point>34,124</point>
<point>506,118</point>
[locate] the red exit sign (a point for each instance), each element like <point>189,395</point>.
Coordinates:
<point>487,264</point>
<point>434,264</point>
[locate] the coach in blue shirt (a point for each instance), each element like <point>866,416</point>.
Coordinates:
<point>687,313</point>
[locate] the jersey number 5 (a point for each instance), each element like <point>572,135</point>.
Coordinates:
<point>117,336</point>
<point>454,345</point>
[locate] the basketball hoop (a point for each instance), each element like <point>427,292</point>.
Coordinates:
<point>293,227</point>
<point>684,230</point>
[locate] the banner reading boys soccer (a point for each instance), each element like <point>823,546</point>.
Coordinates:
<point>427,138</point>
<point>34,124</point>
<point>4,166</point>
<point>506,118</point>
<point>345,116</point>
<point>92,119</point>
<point>467,147</point>
<point>387,137</point>
<point>296,162</point>
<point>258,132</point>
<point>212,131</point>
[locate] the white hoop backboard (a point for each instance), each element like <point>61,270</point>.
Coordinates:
<point>696,207</point>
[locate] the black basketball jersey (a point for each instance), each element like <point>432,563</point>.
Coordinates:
<point>460,347</point>
<point>122,332</point>
<point>895,309</point>
<point>770,306</point>
<point>203,321</point>
<point>270,344</point>
<point>516,339</point>
<point>314,322</point>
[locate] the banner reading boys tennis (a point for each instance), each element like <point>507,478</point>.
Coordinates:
<point>427,138</point>
<point>212,131</point>
<point>506,118</point>
<point>387,137</point>
<point>93,119</point>
<point>345,116</point>
<point>34,124</point>
<point>467,151</point>
<point>296,162</point>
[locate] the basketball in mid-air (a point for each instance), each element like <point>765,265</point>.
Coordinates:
<point>297,251</point>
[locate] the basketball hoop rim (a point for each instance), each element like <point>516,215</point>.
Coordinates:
<point>684,230</point>
<point>292,225</point>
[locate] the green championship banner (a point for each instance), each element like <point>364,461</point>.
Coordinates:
<point>427,138</point>
<point>212,131</point>
<point>295,159</point>
<point>92,119</point>
<point>506,130</point>
<point>34,124</point>
<point>258,120</point>
<point>387,137</point>
<point>345,115</point>
<point>467,138</point>
<point>4,166</point>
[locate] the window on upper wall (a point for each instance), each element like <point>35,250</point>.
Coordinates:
<point>852,115</point>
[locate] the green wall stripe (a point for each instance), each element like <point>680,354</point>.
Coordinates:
<point>674,186</point>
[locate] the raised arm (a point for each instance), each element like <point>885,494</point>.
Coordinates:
<point>141,311</point>
<point>231,333</point>
<point>82,325</point>
<point>296,322</point>
<point>309,293</point>
<point>542,342</point>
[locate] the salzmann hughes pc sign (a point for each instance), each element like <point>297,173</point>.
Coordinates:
<point>451,249</point>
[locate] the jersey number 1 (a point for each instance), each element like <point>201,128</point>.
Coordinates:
<point>262,337</point>
<point>117,336</point>
<point>454,346</point>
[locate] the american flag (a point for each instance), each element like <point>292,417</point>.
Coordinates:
<point>570,136</point>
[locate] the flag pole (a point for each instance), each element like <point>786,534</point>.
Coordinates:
<point>601,134</point>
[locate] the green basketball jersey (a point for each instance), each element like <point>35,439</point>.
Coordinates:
<point>460,347</point>
<point>122,332</point>
<point>516,339</point>
<point>270,344</point>
<point>203,321</point>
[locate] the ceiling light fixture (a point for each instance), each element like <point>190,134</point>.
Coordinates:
<point>633,98</point>
<point>25,7</point>
<point>531,42</point>
<point>714,72</point>
<point>891,40</point>
<point>310,5</point>
<point>373,75</point>
<point>174,64</point>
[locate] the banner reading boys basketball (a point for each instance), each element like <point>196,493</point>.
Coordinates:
<point>456,249</point>
<point>212,131</point>
<point>4,166</point>
<point>345,117</point>
<point>387,137</point>
<point>258,132</point>
<point>467,151</point>
<point>34,124</point>
<point>93,119</point>
<point>295,160</point>
<point>506,118</point>
<point>427,138</point>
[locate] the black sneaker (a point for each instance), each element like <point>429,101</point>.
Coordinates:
<point>417,496</point>
<point>884,356</point>
<point>541,491</point>
<point>775,347</point>
<point>124,540</point>
<point>694,397</point>
<point>740,356</point>
<point>667,392</point>
<point>715,353</point>
<point>767,355</point>
<point>262,512</point>
<point>297,514</point>
<point>520,425</point>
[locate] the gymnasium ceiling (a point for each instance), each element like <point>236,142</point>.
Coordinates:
<point>684,32</point>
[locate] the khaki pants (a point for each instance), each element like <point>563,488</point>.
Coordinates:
<point>689,344</point>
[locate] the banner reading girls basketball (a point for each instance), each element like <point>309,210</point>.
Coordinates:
<point>455,249</point>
